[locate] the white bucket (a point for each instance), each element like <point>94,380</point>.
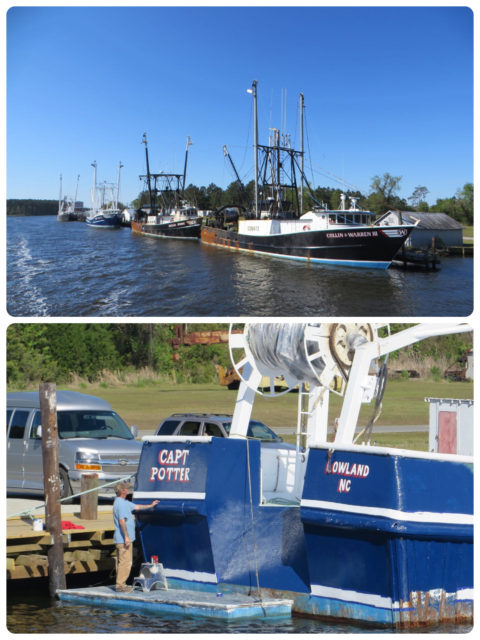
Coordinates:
<point>38,525</point>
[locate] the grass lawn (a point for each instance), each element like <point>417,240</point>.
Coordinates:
<point>145,406</point>
<point>467,234</point>
<point>416,440</point>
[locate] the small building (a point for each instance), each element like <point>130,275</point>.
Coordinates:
<point>438,227</point>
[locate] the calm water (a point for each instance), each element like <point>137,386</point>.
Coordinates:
<point>69,269</point>
<point>34,612</point>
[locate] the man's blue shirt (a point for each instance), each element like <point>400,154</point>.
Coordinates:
<point>122,509</point>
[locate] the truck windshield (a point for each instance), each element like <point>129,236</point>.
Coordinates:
<point>92,424</point>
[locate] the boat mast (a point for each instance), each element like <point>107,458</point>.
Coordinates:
<point>278,191</point>
<point>189,142</point>
<point>120,165</point>
<point>149,184</point>
<point>76,194</point>
<point>301,153</point>
<point>60,196</point>
<point>94,186</point>
<point>253,91</point>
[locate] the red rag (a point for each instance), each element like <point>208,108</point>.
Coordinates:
<point>66,524</point>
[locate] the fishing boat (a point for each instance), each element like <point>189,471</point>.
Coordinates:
<point>105,213</point>
<point>276,226</point>
<point>346,529</point>
<point>168,214</point>
<point>66,206</point>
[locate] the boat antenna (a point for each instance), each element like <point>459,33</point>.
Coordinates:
<point>302,106</point>
<point>149,183</point>
<point>253,91</point>
<point>94,186</point>
<point>189,142</point>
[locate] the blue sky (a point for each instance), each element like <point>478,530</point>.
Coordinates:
<point>386,90</point>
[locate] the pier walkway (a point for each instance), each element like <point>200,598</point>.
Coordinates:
<point>88,544</point>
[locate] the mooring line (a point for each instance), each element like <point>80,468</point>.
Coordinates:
<point>29,512</point>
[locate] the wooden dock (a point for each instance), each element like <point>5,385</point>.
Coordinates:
<point>417,259</point>
<point>86,550</point>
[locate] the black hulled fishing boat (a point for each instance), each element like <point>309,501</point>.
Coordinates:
<point>168,214</point>
<point>276,225</point>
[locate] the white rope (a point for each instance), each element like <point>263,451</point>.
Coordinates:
<point>29,512</point>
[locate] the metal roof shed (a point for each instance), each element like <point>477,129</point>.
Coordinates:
<point>431,226</point>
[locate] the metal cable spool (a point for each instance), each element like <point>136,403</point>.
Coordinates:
<point>297,353</point>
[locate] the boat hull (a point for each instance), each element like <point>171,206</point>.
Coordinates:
<point>383,539</point>
<point>105,222</point>
<point>181,229</point>
<point>369,247</point>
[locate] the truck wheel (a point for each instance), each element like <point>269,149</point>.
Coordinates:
<point>65,488</point>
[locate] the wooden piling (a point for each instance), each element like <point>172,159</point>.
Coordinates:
<point>51,481</point>
<point>89,501</point>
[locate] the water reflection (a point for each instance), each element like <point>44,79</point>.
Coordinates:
<point>29,612</point>
<point>71,270</point>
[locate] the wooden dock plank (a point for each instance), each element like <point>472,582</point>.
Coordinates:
<point>89,549</point>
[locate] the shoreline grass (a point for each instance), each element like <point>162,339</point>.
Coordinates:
<point>147,405</point>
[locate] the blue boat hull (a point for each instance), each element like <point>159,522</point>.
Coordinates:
<point>380,538</point>
<point>105,222</point>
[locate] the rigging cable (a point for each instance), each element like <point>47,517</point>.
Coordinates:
<point>380,390</point>
<point>253,521</point>
<point>324,172</point>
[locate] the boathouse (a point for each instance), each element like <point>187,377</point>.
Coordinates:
<point>432,227</point>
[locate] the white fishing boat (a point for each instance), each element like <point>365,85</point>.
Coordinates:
<point>66,205</point>
<point>105,213</point>
<point>276,225</point>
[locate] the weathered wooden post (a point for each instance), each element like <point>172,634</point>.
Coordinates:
<point>89,501</point>
<point>51,483</point>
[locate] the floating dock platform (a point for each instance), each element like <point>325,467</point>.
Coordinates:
<point>181,602</point>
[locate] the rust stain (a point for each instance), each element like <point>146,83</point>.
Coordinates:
<point>432,608</point>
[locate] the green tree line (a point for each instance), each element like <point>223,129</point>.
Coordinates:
<point>19,207</point>
<point>383,196</point>
<point>452,347</point>
<point>62,352</point>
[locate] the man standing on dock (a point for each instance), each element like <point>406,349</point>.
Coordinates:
<point>124,534</point>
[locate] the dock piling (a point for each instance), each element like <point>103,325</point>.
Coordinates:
<point>51,479</point>
<point>89,501</point>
